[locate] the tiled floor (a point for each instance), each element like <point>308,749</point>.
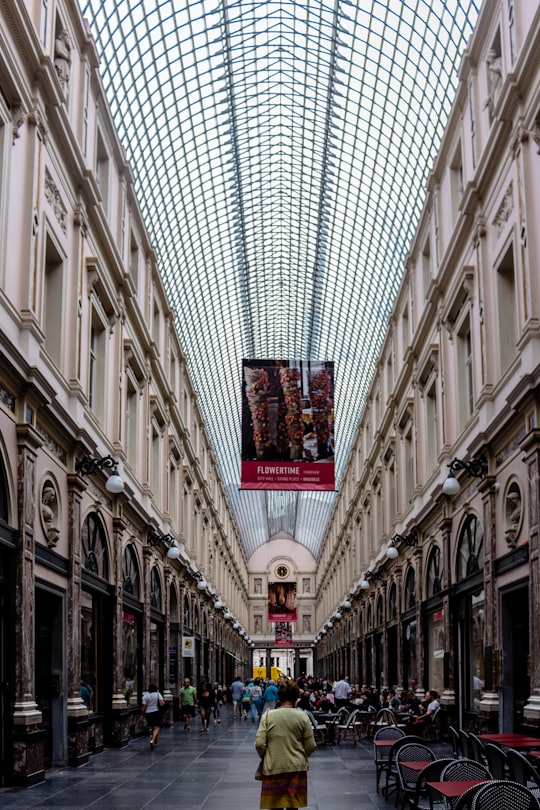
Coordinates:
<point>211,771</point>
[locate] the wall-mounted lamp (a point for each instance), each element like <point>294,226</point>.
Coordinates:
<point>368,576</point>
<point>218,604</point>
<point>227,615</point>
<point>477,468</point>
<point>154,539</point>
<point>191,575</point>
<point>337,615</point>
<point>235,626</point>
<point>346,604</point>
<point>89,466</point>
<point>410,539</point>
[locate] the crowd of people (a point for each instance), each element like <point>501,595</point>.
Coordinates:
<point>285,738</point>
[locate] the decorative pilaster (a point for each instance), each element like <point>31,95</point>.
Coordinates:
<point>531,447</point>
<point>448,696</point>
<point>78,749</point>
<point>28,768</point>
<point>120,712</point>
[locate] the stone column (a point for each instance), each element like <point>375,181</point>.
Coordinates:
<point>78,751</point>
<point>489,703</point>
<point>167,694</point>
<point>448,697</point>
<point>28,767</point>
<point>531,447</point>
<point>120,713</point>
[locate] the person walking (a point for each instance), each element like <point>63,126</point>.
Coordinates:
<point>237,689</point>
<point>152,703</point>
<point>256,700</point>
<point>218,702</point>
<point>206,700</point>
<point>187,701</point>
<point>284,741</point>
<point>246,700</point>
<point>270,696</point>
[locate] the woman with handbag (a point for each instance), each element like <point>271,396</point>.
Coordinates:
<point>284,742</point>
<point>152,704</point>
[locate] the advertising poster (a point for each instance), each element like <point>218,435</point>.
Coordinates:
<point>287,425</point>
<point>188,647</point>
<point>283,634</point>
<point>282,601</point>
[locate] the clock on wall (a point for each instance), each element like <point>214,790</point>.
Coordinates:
<point>282,571</point>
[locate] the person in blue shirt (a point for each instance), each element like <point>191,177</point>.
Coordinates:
<point>270,696</point>
<point>237,689</point>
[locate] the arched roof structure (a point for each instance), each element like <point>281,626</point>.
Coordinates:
<point>280,151</point>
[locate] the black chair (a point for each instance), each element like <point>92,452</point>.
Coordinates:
<point>504,795</point>
<point>464,802</point>
<point>380,755</point>
<point>477,749</point>
<point>464,769</point>
<point>465,745</point>
<point>392,778</point>
<point>497,761</point>
<point>320,730</point>
<point>457,746</point>
<point>407,777</point>
<point>425,797</point>
<point>522,771</point>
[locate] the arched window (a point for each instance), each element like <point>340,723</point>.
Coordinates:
<point>196,619</point>
<point>130,573</point>
<point>470,551</point>
<point>187,613</point>
<point>205,626</point>
<point>434,573</point>
<point>155,589</point>
<point>392,602</point>
<point>410,590</point>
<point>94,546</point>
<point>4,499</point>
<point>380,612</point>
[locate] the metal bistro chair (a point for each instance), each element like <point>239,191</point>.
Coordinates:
<point>464,802</point>
<point>425,797</point>
<point>464,769</point>
<point>384,717</point>
<point>522,771</point>
<point>465,743</point>
<point>477,748</point>
<point>457,745</point>
<point>504,795</point>
<point>319,729</point>
<point>407,777</point>
<point>348,728</point>
<point>380,755</point>
<point>497,761</point>
<point>392,778</point>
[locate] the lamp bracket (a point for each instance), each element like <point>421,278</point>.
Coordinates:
<point>154,539</point>
<point>88,465</point>
<point>410,539</point>
<point>477,467</point>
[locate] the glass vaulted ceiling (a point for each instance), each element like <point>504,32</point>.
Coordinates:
<point>280,152</point>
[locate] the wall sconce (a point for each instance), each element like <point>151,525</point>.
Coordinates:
<point>227,615</point>
<point>477,468</point>
<point>346,604</point>
<point>337,615</point>
<point>154,539</point>
<point>89,466</point>
<point>218,604</point>
<point>191,575</point>
<point>410,539</point>
<point>368,576</point>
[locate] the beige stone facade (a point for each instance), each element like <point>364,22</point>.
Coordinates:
<point>457,607</point>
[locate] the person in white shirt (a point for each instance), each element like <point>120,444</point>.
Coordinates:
<point>341,690</point>
<point>419,724</point>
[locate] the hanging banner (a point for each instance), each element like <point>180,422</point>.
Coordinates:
<point>283,634</point>
<point>282,601</point>
<point>188,647</point>
<point>287,425</point>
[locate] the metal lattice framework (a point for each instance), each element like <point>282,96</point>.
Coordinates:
<point>280,151</point>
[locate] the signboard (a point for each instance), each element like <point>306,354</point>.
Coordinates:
<point>282,601</point>
<point>188,647</point>
<point>287,425</point>
<point>283,634</point>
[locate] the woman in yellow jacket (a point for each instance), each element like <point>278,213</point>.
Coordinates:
<point>285,741</point>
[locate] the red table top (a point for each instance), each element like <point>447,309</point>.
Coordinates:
<point>382,743</point>
<point>416,766</point>
<point>452,790</point>
<point>512,740</point>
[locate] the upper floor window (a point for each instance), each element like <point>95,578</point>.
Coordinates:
<point>465,369</point>
<point>94,546</point>
<point>434,573</point>
<point>102,170</point>
<point>53,301</point>
<point>470,549</point>
<point>155,589</point>
<point>130,573</point>
<point>410,590</point>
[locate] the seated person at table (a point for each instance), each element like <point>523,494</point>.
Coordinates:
<point>417,725</point>
<point>327,705</point>
<point>412,704</point>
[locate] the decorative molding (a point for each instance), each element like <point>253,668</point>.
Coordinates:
<point>53,197</point>
<point>503,213</point>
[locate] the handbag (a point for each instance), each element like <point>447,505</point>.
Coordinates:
<point>259,771</point>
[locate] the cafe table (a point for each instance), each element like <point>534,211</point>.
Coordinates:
<point>417,766</point>
<point>454,789</point>
<point>511,740</point>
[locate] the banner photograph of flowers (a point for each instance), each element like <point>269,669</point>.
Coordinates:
<point>287,424</point>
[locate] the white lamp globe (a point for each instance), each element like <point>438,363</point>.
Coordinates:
<point>114,484</point>
<point>364,584</point>
<point>392,552</point>
<point>174,552</point>
<point>451,485</point>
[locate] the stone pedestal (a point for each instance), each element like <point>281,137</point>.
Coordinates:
<point>121,719</point>
<point>488,710</point>
<point>28,752</point>
<point>531,712</point>
<point>78,745</point>
<point>167,715</point>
